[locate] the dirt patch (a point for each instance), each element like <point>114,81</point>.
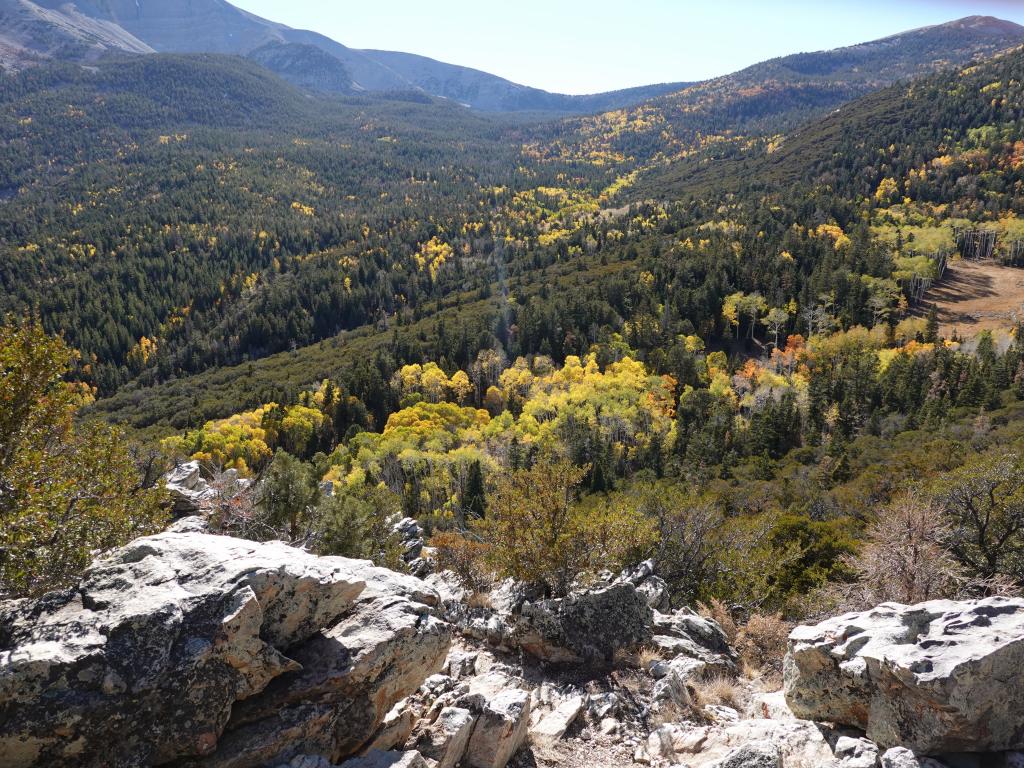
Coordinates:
<point>977,295</point>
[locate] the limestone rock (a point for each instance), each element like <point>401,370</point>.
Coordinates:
<point>675,742</point>
<point>208,650</point>
<point>502,719</point>
<point>800,744</point>
<point>103,664</point>
<point>410,535</point>
<point>555,723</point>
<point>856,752</point>
<point>685,633</point>
<point>378,759</point>
<point>307,761</point>
<point>756,754</point>
<point>585,626</point>
<point>900,757</point>
<point>445,740</point>
<point>935,677</point>
<point>652,587</point>
<point>189,490</point>
<point>396,728</point>
<point>352,675</point>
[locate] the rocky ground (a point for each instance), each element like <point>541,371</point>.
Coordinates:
<point>188,649</point>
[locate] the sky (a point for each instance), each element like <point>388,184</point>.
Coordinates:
<point>587,46</point>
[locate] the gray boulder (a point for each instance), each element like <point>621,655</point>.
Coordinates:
<point>936,677</point>
<point>587,626</point>
<point>190,491</point>
<point>756,754</point>
<point>900,757</point>
<point>208,650</point>
<point>687,634</point>
<point>653,588</point>
<point>378,759</point>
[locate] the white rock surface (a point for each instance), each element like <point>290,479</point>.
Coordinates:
<point>900,757</point>
<point>445,740</point>
<point>217,650</point>
<point>502,721</point>
<point>935,677</point>
<point>553,725</point>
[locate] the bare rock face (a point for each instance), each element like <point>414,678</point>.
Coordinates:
<point>191,649</point>
<point>935,677</point>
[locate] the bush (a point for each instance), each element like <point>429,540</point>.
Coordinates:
<point>904,558</point>
<point>360,526</point>
<point>538,533</point>
<point>67,491</point>
<point>463,556</point>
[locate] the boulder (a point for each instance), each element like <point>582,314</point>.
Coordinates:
<point>856,752</point>
<point>189,490</point>
<point>502,720</point>
<point>685,633</point>
<point>936,677</point>
<point>587,626</point>
<point>352,675</point>
<point>208,650</point>
<point>676,742</point>
<point>307,761</point>
<point>375,758</point>
<point>756,754</point>
<point>900,757</point>
<point>410,534</point>
<point>396,728</point>
<point>552,726</point>
<point>799,744</point>
<point>445,740</point>
<point>652,587</point>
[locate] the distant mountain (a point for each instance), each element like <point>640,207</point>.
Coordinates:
<point>307,59</point>
<point>899,56</point>
<point>483,91</point>
<point>32,32</point>
<point>776,96</point>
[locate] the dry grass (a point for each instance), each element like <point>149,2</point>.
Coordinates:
<point>479,600</point>
<point>718,691</point>
<point>762,641</point>
<point>636,658</point>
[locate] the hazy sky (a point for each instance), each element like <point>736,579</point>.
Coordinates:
<point>583,46</point>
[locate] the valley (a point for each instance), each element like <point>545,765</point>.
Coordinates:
<point>361,409</point>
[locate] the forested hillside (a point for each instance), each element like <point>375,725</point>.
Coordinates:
<point>410,301</point>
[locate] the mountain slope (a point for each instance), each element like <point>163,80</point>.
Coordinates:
<point>773,97</point>
<point>811,223</point>
<point>300,56</point>
<point>31,32</point>
<point>483,91</point>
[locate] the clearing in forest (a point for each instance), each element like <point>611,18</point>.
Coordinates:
<point>976,295</point>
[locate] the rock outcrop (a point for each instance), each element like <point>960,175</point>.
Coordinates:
<point>201,650</point>
<point>935,677</point>
<point>586,626</point>
<point>189,490</point>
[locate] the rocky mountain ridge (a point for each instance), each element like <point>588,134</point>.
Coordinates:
<point>302,57</point>
<point>189,649</point>
<point>36,30</point>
